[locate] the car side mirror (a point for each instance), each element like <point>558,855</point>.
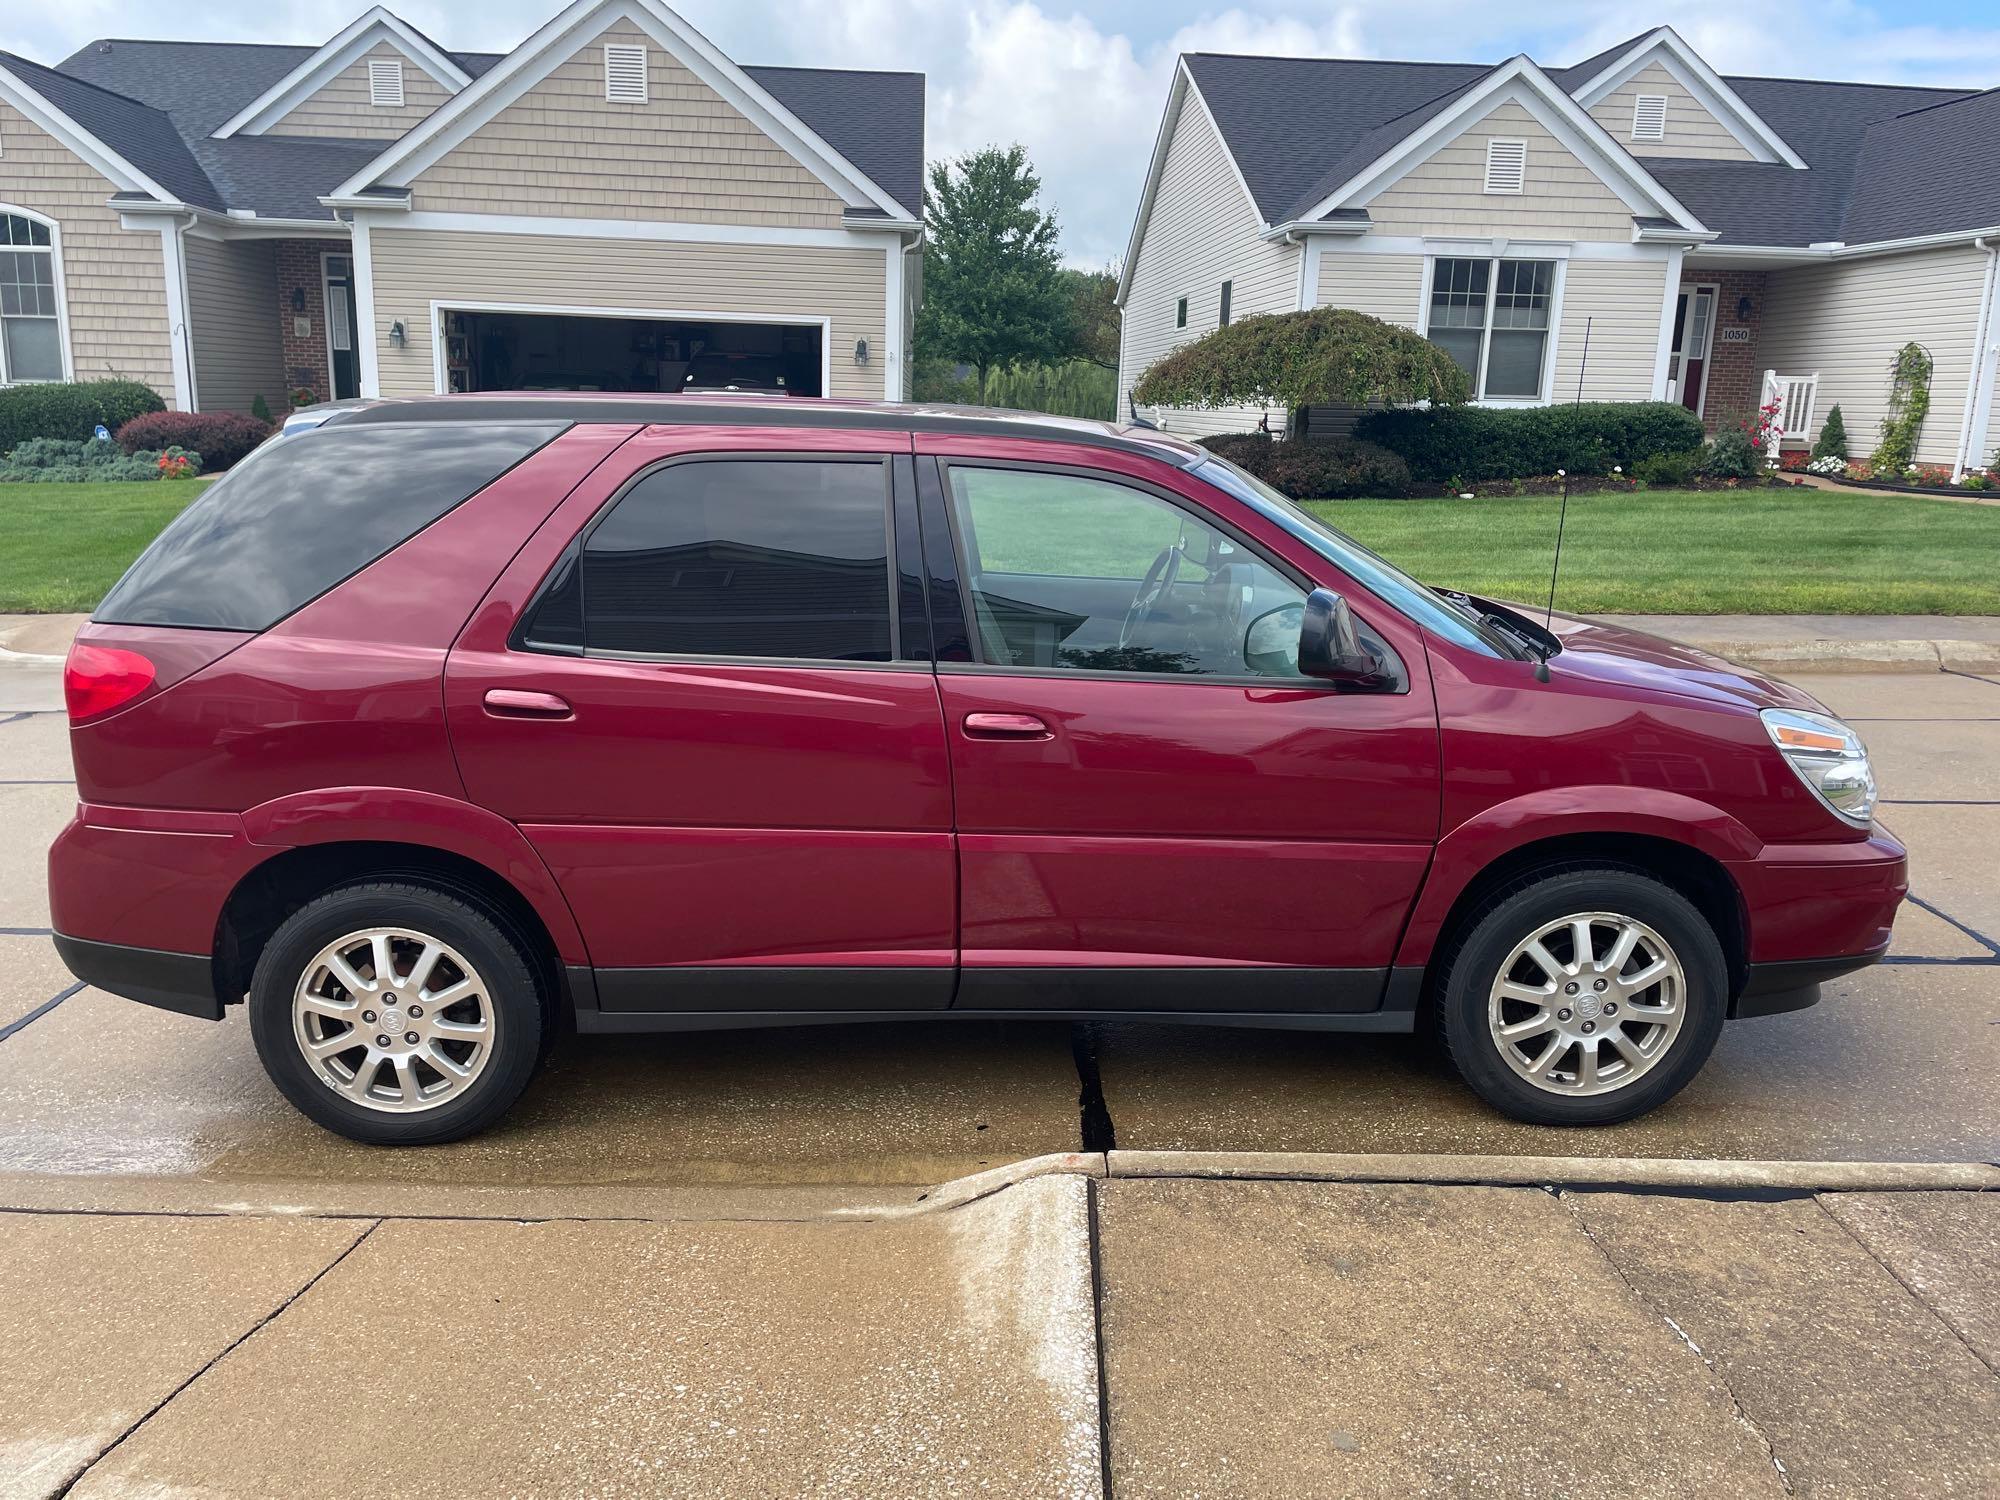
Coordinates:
<point>1330,648</point>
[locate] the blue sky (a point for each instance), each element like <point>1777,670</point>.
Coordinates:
<point>1081,85</point>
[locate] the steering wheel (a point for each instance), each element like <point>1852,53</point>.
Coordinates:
<point>1152,589</point>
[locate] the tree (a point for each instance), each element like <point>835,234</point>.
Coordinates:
<point>1832,437</point>
<point>1330,356</point>
<point>1093,315</point>
<point>993,289</point>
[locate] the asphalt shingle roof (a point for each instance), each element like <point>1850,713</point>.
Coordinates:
<point>875,120</point>
<point>1884,161</point>
<point>1290,120</point>
<point>142,135</point>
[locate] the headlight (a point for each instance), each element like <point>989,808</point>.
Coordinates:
<point>1829,758</point>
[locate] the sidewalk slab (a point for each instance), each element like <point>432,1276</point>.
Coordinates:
<point>1944,1247</point>
<point>107,1317</point>
<point>1866,699</point>
<point>1859,1388</point>
<point>947,1356</point>
<point>1283,1339</point>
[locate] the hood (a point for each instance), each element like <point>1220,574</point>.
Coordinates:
<point>1618,656</point>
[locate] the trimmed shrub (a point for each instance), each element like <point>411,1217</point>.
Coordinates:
<point>71,409</point>
<point>1668,471</point>
<point>222,438</point>
<point>1732,455</point>
<point>260,409</point>
<point>58,461</point>
<point>1832,437</point>
<point>1473,443</point>
<point>1306,470</point>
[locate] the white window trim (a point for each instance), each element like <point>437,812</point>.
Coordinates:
<point>1512,143</point>
<point>626,55</point>
<point>385,82</point>
<point>1550,348</point>
<point>54,248</point>
<point>649,314</point>
<point>1660,103</point>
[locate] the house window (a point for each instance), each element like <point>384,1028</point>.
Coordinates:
<point>30,330</point>
<point>1227,286</point>
<point>1180,313</point>
<point>1649,118</point>
<point>1492,316</point>
<point>625,75</point>
<point>1506,165</point>
<point>385,82</point>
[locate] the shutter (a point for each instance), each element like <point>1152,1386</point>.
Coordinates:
<point>385,82</point>
<point>625,75</point>
<point>1506,166</point>
<point>1649,118</point>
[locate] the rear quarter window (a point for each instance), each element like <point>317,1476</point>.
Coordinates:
<point>306,511</point>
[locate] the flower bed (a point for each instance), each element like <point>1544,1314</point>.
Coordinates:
<point>1917,479</point>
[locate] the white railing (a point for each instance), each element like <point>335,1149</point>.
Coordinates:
<point>1796,396</point>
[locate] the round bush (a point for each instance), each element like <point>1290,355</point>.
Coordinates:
<point>1308,470</point>
<point>222,438</point>
<point>71,410</point>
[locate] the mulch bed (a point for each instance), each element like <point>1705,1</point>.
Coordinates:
<point>1955,491</point>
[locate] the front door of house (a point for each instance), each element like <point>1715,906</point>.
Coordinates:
<point>1694,328</point>
<point>342,333</point>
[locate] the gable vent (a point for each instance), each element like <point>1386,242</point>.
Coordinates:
<point>385,82</point>
<point>1649,118</point>
<point>1506,166</point>
<point>625,75</point>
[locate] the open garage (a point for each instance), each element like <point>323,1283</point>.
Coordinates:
<point>521,349</point>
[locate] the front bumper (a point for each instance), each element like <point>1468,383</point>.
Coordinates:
<point>1814,912</point>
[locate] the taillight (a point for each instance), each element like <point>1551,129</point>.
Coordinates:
<point>97,679</point>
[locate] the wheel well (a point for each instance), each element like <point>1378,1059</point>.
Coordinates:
<point>1701,879</point>
<point>269,894</point>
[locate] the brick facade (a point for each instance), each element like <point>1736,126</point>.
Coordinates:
<point>1735,373</point>
<point>305,352</point>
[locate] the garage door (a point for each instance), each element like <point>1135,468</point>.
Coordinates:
<point>495,350</point>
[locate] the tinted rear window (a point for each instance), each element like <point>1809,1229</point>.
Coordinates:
<point>304,512</point>
<point>782,559</point>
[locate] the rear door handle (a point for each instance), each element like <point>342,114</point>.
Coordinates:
<point>520,703</point>
<point>1006,727</point>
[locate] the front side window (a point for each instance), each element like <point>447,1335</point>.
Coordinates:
<point>760,558</point>
<point>30,332</point>
<point>1492,316</point>
<point>1086,575</point>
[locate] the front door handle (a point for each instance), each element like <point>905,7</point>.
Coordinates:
<point>1006,727</point>
<point>520,703</point>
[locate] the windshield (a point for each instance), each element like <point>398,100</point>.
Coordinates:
<point>1384,579</point>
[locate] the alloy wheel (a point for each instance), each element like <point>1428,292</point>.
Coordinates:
<point>1587,1004</point>
<point>393,1019</point>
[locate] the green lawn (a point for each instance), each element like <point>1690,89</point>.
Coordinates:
<point>63,545</point>
<point>1658,551</point>
<point>1776,551</point>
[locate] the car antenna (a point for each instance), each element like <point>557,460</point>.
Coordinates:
<point>1562,515</point>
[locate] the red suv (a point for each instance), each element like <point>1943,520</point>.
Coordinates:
<point>441,725</point>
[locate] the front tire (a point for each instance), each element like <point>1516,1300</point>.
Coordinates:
<point>1583,996</point>
<point>397,1014</point>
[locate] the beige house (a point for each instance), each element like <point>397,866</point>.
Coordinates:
<point>1715,241</point>
<point>614,205</point>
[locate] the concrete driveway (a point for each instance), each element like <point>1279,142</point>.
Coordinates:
<point>690,1265</point>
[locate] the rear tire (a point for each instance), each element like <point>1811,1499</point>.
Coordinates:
<point>361,965</point>
<point>1582,996</point>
